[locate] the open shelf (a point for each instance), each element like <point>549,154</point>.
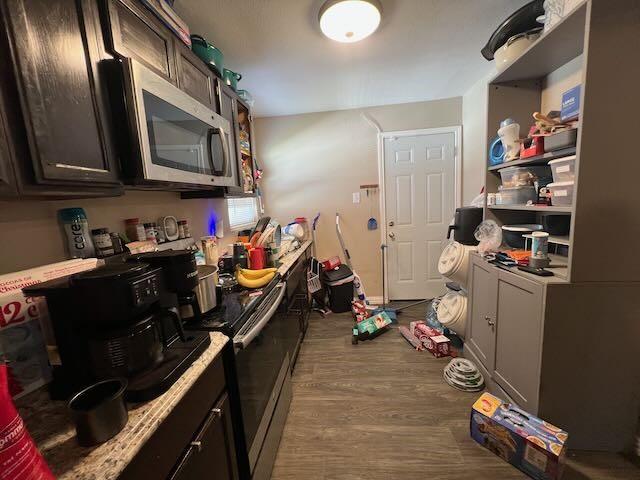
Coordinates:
<point>532,208</point>
<point>537,160</point>
<point>564,42</point>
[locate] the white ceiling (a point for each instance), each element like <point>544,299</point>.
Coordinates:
<point>423,50</point>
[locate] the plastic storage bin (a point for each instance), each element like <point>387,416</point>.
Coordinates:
<point>516,195</point>
<point>522,176</point>
<point>563,169</point>
<point>561,193</point>
<point>340,285</point>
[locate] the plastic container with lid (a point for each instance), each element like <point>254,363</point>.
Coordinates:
<point>454,262</point>
<point>561,193</point>
<point>517,195</point>
<point>452,312</point>
<point>135,230</point>
<point>563,169</point>
<point>523,176</point>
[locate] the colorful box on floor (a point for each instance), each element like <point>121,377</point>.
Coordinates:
<point>438,345</point>
<point>525,441</point>
<point>375,323</point>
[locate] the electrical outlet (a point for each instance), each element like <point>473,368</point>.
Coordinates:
<point>356,197</point>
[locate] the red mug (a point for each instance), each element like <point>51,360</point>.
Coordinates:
<point>257,258</point>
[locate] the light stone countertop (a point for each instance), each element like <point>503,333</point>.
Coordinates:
<point>50,425</point>
<point>290,258</point>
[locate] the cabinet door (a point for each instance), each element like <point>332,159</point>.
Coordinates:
<point>482,319</point>
<point>7,183</point>
<point>211,453</point>
<point>518,338</point>
<point>56,52</point>
<point>227,108</point>
<point>194,77</point>
<point>136,34</point>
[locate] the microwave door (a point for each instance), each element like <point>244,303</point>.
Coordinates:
<point>180,139</point>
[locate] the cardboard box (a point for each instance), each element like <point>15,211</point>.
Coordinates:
<point>439,346</point>
<point>373,324</point>
<point>25,327</point>
<point>525,441</point>
<point>570,109</point>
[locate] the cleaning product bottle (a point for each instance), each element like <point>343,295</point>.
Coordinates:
<point>19,456</point>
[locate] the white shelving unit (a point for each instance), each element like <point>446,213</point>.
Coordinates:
<point>595,290</point>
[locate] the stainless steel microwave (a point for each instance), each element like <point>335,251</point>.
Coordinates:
<point>174,137</point>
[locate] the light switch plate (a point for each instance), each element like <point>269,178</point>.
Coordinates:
<point>356,197</point>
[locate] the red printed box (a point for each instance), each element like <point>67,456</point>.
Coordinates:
<point>439,346</point>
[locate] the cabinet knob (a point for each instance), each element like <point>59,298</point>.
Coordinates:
<point>490,322</point>
<point>198,446</point>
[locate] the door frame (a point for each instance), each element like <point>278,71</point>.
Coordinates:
<point>457,155</point>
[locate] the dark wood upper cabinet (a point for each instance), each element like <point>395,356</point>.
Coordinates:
<point>56,49</point>
<point>228,109</point>
<point>194,77</point>
<point>135,33</point>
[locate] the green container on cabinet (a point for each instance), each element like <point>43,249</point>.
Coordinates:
<point>208,53</point>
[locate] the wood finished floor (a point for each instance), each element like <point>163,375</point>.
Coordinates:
<point>379,410</point>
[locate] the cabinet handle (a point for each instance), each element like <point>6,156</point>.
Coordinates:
<point>197,445</point>
<point>490,322</point>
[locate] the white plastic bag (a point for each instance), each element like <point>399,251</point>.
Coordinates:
<point>489,234</point>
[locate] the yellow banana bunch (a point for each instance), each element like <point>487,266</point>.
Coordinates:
<point>255,278</point>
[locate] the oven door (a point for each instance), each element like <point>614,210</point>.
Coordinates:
<point>263,348</point>
<point>179,139</point>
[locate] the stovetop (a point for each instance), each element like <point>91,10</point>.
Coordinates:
<point>234,311</point>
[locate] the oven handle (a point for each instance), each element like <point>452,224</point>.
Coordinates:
<point>243,341</point>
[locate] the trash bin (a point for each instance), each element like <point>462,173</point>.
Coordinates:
<point>339,282</point>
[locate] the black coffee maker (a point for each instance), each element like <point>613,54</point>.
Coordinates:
<point>181,275</point>
<point>117,320</point>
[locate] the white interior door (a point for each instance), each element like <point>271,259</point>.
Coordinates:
<point>420,193</point>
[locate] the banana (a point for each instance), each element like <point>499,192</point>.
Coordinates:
<point>255,274</point>
<point>254,282</point>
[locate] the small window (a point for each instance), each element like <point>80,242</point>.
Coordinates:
<point>243,213</point>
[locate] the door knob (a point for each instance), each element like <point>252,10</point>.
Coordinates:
<point>391,224</point>
<point>392,235</point>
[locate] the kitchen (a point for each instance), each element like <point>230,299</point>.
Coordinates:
<point>128,125</point>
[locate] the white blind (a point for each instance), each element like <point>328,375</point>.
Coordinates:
<point>242,212</point>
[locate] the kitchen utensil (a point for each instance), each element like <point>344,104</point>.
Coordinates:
<point>99,411</point>
<point>514,47</point>
<point>465,222</point>
<point>520,21</point>
<point>541,272</point>
<point>231,78</point>
<point>509,134</point>
<point>513,234</point>
<point>206,289</point>
<point>208,53</point>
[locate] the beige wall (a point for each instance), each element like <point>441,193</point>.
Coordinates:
<point>474,139</point>
<point>30,234</point>
<point>315,162</point>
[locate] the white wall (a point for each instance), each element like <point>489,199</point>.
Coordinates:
<point>315,162</point>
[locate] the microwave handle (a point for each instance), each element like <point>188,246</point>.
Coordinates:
<point>225,150</point>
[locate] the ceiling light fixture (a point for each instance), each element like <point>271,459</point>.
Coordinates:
<point>349,21</point>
